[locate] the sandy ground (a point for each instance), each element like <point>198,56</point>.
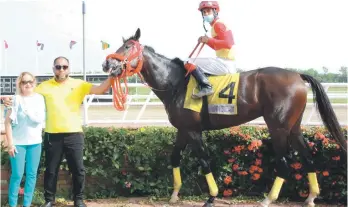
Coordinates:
<point>145,202</point>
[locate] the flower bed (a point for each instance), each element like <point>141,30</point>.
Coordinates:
<point>136,162</point>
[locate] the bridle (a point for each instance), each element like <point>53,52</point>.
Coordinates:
<point>120,96</point>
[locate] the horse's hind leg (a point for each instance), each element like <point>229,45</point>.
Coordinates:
<point>180,145</point>
<point>280,146</point>
<point>299,144</point>
<point>203,156</point>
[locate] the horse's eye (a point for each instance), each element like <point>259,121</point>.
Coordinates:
<point>127,46</point>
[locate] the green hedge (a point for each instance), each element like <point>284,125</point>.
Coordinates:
<point>133,162</point>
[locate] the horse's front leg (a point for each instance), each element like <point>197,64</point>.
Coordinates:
<point>180,145</point>
<point>203,156</point>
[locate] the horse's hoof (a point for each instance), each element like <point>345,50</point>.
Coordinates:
<point>174,199</point>
<point>263,204</point>
<point>311,204</point>
<point>208,205</point>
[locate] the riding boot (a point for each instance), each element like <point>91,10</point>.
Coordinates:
<point>205,87</point>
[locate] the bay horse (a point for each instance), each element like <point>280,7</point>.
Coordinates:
<point>277,94</point>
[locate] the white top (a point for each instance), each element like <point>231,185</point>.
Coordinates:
<point>28,117</point>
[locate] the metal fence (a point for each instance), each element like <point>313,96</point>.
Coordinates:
<point>132,101</point>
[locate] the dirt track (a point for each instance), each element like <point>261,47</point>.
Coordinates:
<point>145,202</point>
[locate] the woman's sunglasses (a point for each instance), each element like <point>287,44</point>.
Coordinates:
<point>58,67</point>
<point>26,82</point>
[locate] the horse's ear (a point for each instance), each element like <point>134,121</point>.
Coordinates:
<point>124,40</point>
<point>137,34</point>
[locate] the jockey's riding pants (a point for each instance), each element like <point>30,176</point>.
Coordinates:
<point>214,66</point>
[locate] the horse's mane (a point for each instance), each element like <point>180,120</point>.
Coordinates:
<point>176,60</point>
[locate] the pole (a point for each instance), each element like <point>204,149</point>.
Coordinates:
<point>2,59</point>
<point>6,71</point>
<point>37,61</point>
<point>83,39</point>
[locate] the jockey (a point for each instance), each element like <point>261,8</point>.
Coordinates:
<point>221,41</point>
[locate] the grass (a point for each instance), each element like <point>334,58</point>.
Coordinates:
<point>338,89</point>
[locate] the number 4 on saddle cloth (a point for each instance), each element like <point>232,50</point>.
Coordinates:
<point>224,99</point>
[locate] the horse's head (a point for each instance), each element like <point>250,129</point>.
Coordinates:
<point>128,58</point>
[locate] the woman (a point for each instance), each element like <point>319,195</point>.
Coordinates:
<point>23,124</point>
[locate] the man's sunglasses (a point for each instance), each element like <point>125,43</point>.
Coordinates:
<point>58,67</point>
<point>26,82</point>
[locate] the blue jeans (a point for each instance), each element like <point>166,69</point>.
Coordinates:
<point>28,156</point>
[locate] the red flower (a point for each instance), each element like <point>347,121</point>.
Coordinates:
<point>253,168</point>
<point>227,192</point>
<point>303,194</point>
<point>326,141</point>
<point>296,165</point>
<point>298,176</point>
<point>336,158</point>
<point>242,173</point>
<point>326,173</point>
<point>237,149</point>
<point>231,160</point>
<point>255,144</point>
<point>227,180</point>
<point>319,136</point>
<point>235,167</point>
<point>234,130</point>
<point>21,191</point>
<point>255,176</point>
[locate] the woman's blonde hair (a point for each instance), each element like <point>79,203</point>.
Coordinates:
<point>19,80</point>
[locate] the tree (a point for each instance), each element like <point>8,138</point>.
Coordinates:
<point>343,74</point>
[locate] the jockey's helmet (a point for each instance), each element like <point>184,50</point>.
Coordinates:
<point>209,4</point>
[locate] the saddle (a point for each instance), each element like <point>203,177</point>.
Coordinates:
<point>224,99</point>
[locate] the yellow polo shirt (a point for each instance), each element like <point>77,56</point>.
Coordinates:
<point>63,101</point>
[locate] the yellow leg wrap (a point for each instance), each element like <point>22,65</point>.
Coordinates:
<point>212,184</point>
<point>313,183</point>
<point>273,195</point>
<point>177,179</point>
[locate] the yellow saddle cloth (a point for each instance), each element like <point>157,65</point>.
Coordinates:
<point>224,99</point>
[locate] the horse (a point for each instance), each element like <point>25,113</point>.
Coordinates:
<point>276,94</point>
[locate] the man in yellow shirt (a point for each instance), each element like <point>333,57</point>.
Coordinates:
<point>63,132</point>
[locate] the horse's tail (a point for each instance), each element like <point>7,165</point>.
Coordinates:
<point>327,114</point>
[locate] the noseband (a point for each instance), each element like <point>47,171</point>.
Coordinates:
<point>120,96</point>
<point>136,52</point>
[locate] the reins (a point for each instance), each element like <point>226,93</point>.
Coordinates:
<point>120,96</point>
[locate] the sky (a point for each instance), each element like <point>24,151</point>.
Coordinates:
<point>294,34</point>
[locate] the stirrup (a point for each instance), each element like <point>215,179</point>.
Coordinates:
<point>195,95</point>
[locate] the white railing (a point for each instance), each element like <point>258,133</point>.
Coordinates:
<point>132,101</point>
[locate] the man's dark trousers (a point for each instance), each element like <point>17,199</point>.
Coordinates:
<point>71,145</point>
